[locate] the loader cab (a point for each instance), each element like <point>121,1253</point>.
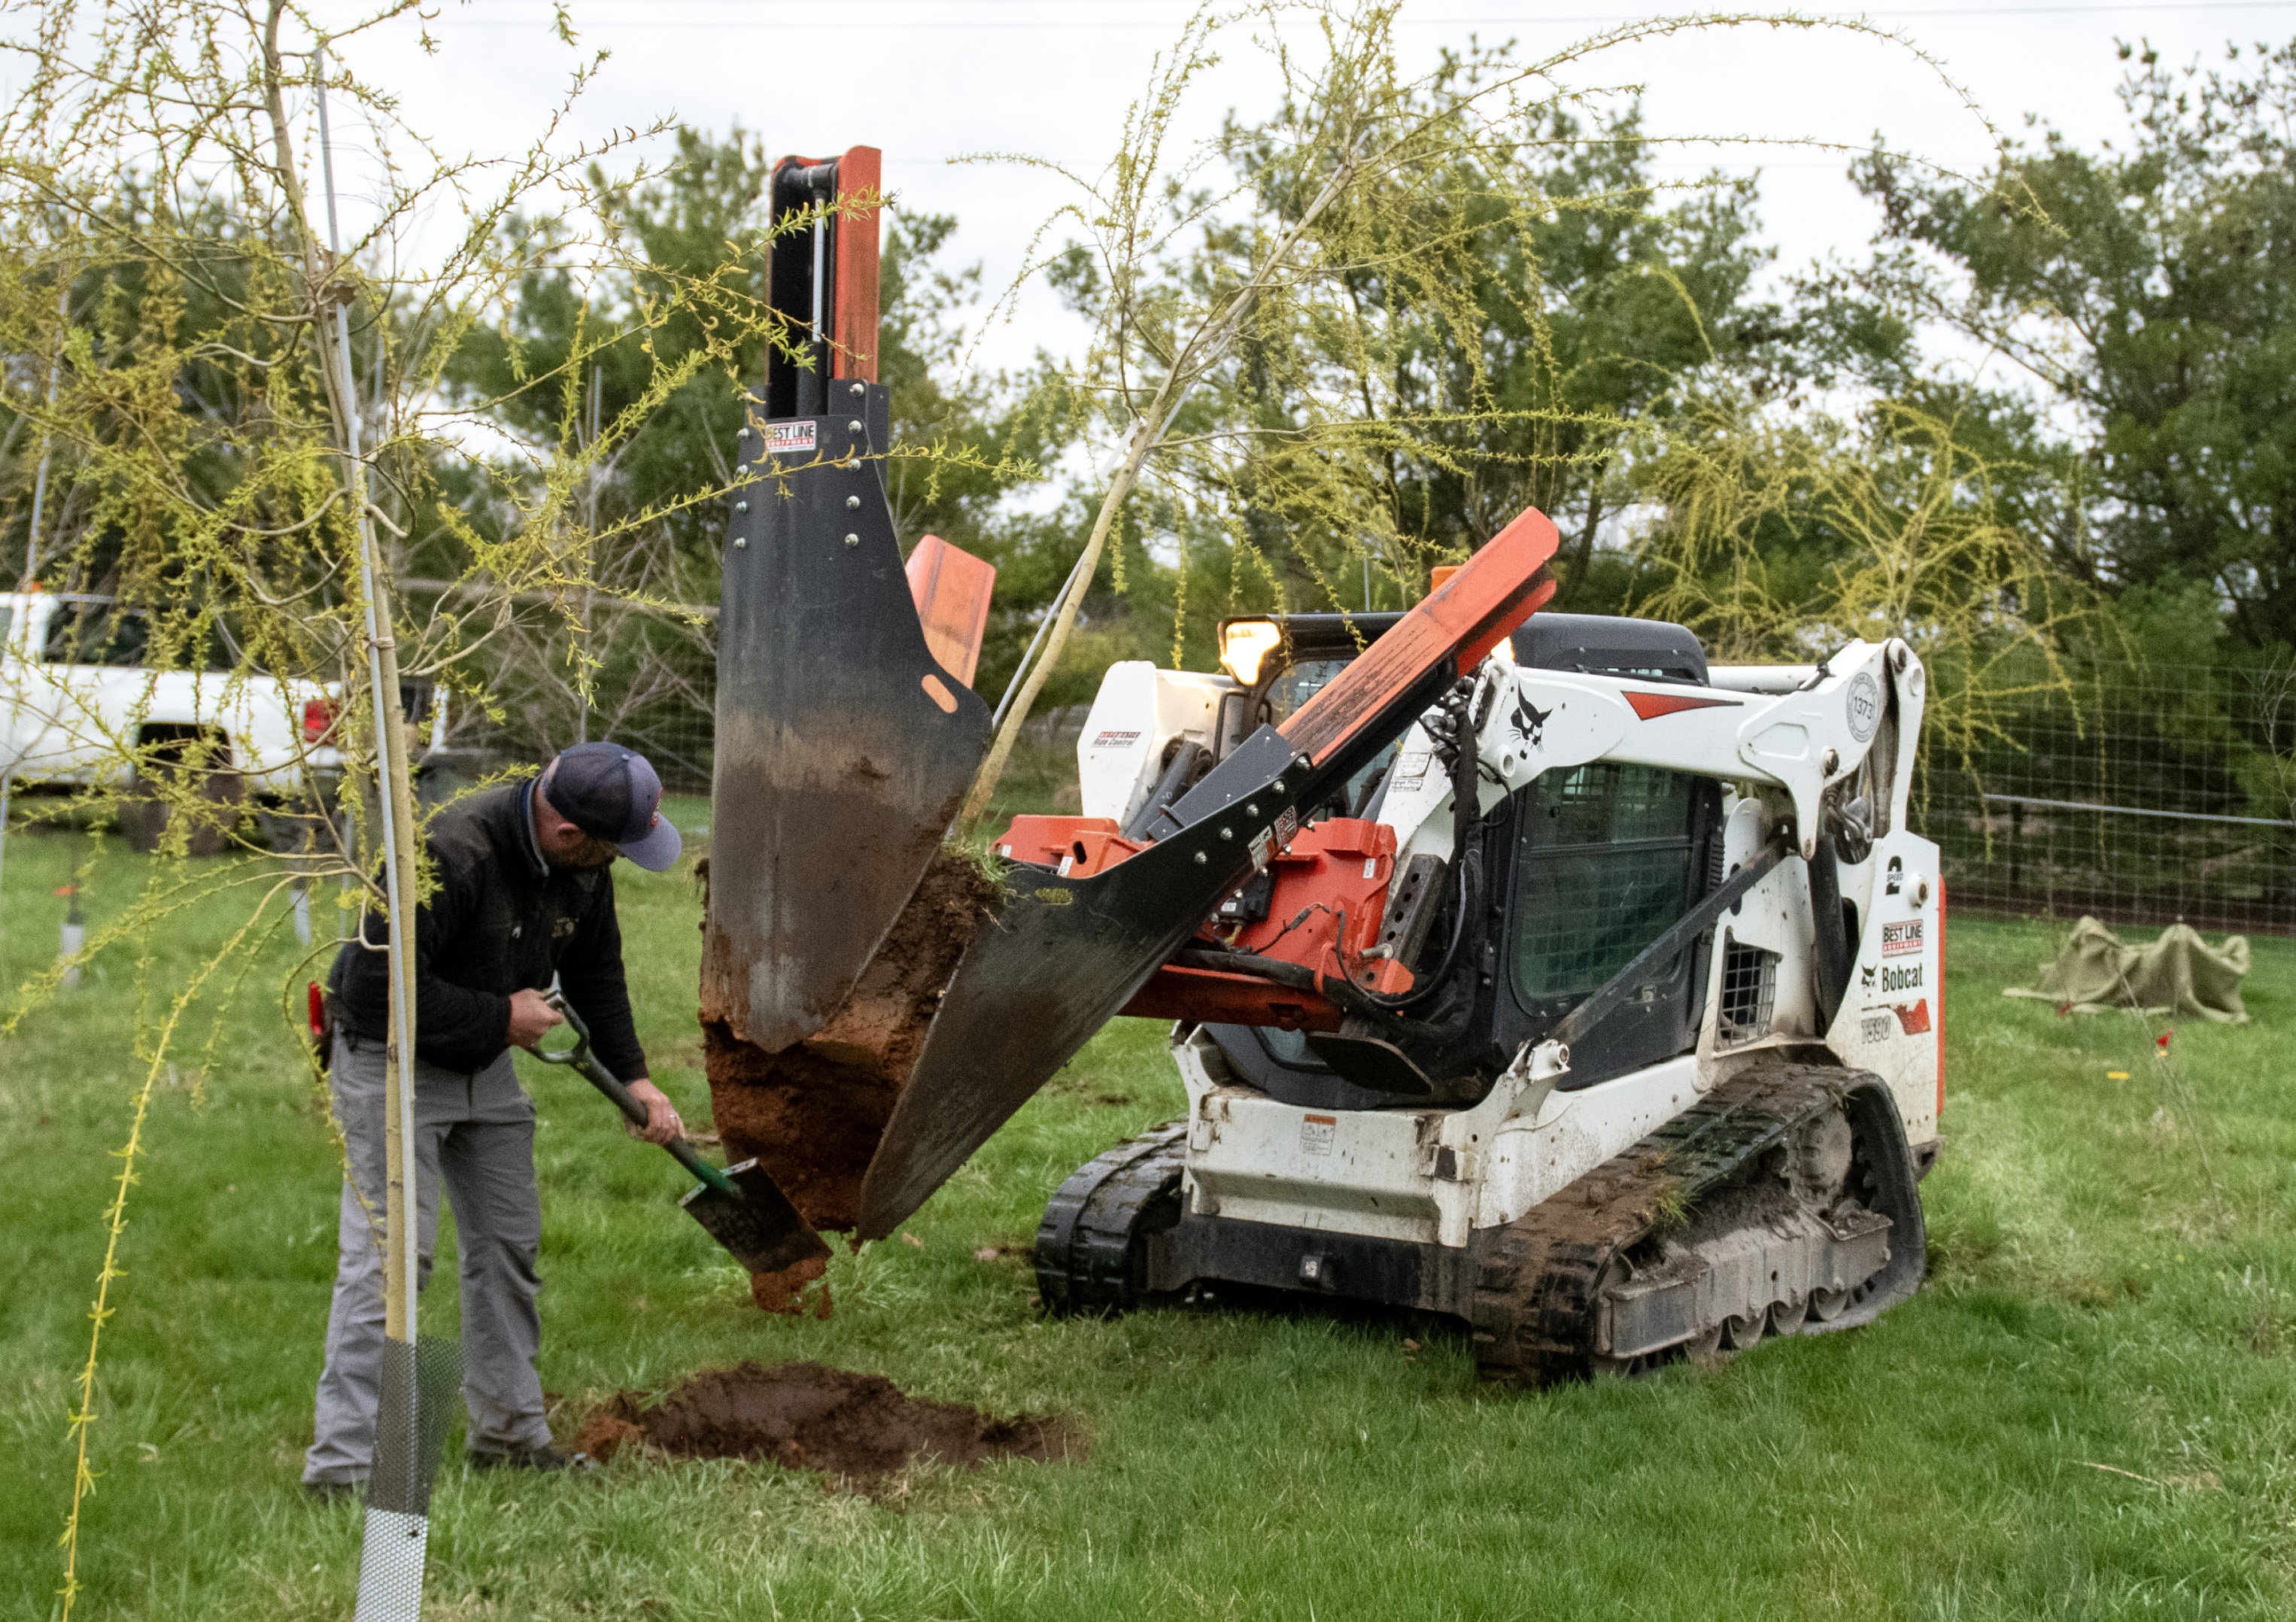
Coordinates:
<point>1282,660</point>
<point>1587,867</point>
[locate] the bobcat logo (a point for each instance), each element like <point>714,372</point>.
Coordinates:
<point>1866,977</point>
<point>1529,723</point>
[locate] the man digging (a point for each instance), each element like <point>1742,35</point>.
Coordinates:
<point>521,894</point>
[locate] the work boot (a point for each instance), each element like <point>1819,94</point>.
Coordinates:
<point>545,1457</point>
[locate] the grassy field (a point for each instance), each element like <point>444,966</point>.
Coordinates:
<point>2087,1411</point>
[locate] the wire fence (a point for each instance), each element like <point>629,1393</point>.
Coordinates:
<point>2142,795</point>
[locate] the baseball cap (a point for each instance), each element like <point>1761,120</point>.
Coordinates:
<point>613,794</point>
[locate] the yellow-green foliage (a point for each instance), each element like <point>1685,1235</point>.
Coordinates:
<point>1779,540</point>
<point>169,243</point>
<point>1289,324</point>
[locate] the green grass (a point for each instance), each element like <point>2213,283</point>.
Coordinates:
<point>2112,1262</point>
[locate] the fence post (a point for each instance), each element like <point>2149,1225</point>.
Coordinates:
<point>2016,849</point>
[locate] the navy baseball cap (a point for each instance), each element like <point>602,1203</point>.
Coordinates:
<point>613,794</point>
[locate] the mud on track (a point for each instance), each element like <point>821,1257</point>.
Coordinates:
<point>856,1428</point>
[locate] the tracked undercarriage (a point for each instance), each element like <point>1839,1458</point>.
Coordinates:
<point>1783,1202</point>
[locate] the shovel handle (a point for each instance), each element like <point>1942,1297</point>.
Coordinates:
<point>581,1058</point>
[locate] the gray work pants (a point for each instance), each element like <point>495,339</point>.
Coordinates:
<point>477,1132</point>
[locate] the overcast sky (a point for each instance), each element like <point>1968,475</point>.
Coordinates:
<point>930,80</point>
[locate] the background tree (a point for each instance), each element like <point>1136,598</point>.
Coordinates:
<point>2149,294</point>
<point>571,350</point>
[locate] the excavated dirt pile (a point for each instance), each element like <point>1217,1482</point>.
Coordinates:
<point>812,1114</point>
<point>857,1428</point>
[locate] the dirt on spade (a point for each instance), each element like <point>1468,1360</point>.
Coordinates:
<point>857,1429</point>
<point>812,1114</point>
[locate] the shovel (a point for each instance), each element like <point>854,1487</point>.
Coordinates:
<point>741,1207</point>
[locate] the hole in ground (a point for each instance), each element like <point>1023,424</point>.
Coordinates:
<point>859,1428</point>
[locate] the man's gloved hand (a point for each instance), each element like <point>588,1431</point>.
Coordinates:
<point>530,1017</point>
<point>662,1125</point>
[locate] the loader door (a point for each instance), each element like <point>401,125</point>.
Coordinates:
<point>1608,855</point>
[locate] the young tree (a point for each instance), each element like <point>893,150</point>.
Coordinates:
<point>253,437</point>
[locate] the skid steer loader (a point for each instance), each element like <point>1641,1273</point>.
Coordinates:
<point>1522,967</point>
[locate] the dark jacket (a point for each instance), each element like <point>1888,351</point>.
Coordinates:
<point>500,919</point>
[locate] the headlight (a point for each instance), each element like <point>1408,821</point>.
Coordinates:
<point>1245,645</point>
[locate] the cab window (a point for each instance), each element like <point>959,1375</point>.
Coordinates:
<point>96,633</point>
<point>1298,684</point>
<point>1605,864</point>
<point>1293,688</point>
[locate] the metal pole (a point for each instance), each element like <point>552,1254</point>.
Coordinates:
<point>589,590</point>
<point>2016,848</point>
<point>1043,625</point>
<point>7,782</point>
<point>40,483</point>
<point>73,934</point>
<point>398,1520</point>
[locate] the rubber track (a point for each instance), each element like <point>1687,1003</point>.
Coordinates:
<point>1535,1305</point>
<point>1085,1244</point>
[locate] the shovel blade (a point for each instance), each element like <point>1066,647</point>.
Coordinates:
<point>760,1227</point>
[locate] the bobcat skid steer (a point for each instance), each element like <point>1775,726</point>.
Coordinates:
<point>1520,967</point>
<point>1548,1018</point>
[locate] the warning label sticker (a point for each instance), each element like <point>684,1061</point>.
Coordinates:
<point>1114,740</point>
<point>781,438</point>
<point>1316,1132</point>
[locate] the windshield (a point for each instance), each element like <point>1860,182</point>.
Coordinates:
<point>1287,692</point>
<point>1605,866</point>
<point>1298,684</point>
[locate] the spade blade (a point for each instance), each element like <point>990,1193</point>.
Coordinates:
<point>760,1227</point>
<point>1062,957</point>
<point>844,746</point>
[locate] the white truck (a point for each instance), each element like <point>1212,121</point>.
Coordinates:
<point>78,707</point>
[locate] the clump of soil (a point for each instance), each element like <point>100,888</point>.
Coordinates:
<point>784,1292</point>
<point>857,1428</point>
<point>812,1114</point>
